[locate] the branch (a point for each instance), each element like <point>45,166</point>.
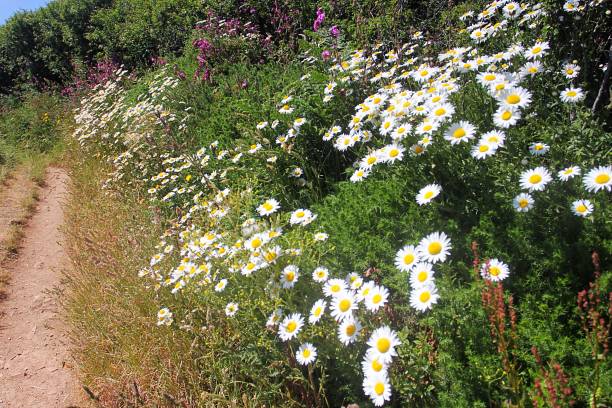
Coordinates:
<point>604,82</point>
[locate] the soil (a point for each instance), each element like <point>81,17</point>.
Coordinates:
<point>36,369</point>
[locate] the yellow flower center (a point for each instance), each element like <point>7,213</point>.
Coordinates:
<point>379,388</point>
<point>434,248</point>
<point>483,148</point>
<point>285,107</point>
<point>383,345</point>
<point>506,115</point>
<point>513,99</point>
<point>318,311</point>
<point>267,206</point>
<point>424,73</point>
<point>422,276</point>
<point>424,297</point>
<point>571,94</point>
<point>393,153</point>
<point>538,147</point>
<point>489,77</point>
<point>569,71</point>
<point>335,288</point>
<point>602,178</point>
<point>459,133</point>
<point>344,305</point>
<point>523,203</point>
<point>371,160</point>
<point>581,208</point>
<point>376,298</point>
<point>306,353</point>
<point>256,243</point>
<point>408,259</point>
<point>535,178</point>
<point>428,195</point>
<point>290,276</point>
<point>494,271</point>
<point>376,365</point>
<point>427,128</point>
<point>291,326</point>
<point>350,329</point>
<point>300,214</point>
<point>418,149</point>
<point>440,111</point>
<point>536,50</point>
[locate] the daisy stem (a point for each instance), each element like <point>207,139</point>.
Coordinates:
<point>315,394</point>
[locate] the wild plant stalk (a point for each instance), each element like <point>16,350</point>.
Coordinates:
<point>596,323</point>
<point>556,391</point>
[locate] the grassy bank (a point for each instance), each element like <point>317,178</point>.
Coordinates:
<point>125,361</point>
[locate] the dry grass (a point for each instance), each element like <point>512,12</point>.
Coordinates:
<point>124,358</point>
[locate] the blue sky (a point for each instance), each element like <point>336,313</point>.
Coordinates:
<point>10,7</point>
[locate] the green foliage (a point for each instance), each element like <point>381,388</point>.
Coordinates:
<point>133,31</point>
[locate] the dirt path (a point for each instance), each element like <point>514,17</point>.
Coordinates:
<point>12,196</point>
<point>35,366</point>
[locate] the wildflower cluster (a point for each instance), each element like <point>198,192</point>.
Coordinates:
<point>231,241</point>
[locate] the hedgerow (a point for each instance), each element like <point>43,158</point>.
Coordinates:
<point>395,223</point>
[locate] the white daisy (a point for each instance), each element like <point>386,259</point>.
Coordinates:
<point>523,202</point>
<point>371,364</point>
<point>483,150</point>
<point>434,248</point>
<point>571,71</point>
<point>306,354</point>
<point>220,286</point>
<point>274,318</point>
<point>342,306</point>
<point>320,236</point>
<point>231,309</point>
<point>377,387</point>
<point>320,274</point>
<point>515,98</point>
<point>422,274</point>
<point>349,330</point>
<point>291,326</point>
<point>494,270</point>
<point>317,311</point>
<point>599,178</point>
<point>359,175</point>
<point>289,276</point>
<point>268,207</point>
<point>286,109</point>
<point>505,117</point>
<point>333,287</point>
<point>376,298</point>
<point>422,298</point>
<point>572,95</point>
<point>392,153</point>
<point>428,193</point>
<point>302,217</point>
<point>535,179</point>
<point>537,50</point>
<point>582,208</point>
<point>538,148</point>
<point>568,173</point>
<point>460,132</point>
<point>406,258</point>
<point>382,342</point>
<point>495,138</point>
